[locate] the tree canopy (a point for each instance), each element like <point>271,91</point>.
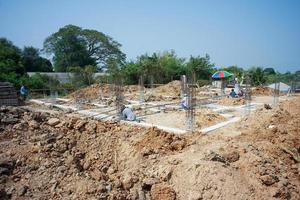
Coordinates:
<point>33,62</point>
<point>10,58</point>
<point>73,46</point>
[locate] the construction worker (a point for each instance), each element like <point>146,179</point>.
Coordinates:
<point>127,113</point>
<point>233,94</point>
<point>24,92</point>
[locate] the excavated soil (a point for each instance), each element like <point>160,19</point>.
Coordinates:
<point>177,119</point>
<point>59,156</point>
<point>228,101</point>
<point>96,91</point>
<point>261,90</point>
<point>172,89</point>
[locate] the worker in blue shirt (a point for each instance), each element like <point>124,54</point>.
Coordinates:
<point>24,92</point>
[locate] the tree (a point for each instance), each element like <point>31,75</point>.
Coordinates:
<point>11,67</point>
<point>73,46</point>
<point>150,67</point>
<point>201,66</point>
<point>10,58</point>
<point>33,62</point>
<point>269,71</point>
<point>131,72</point>
<point>83,76</point>
<point>172,66</point>
<point>237,71</point>
<point>257,76</point>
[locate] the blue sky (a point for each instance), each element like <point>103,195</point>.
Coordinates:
<point>233,32</point>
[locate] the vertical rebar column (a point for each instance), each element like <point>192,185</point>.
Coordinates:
<point>101,84</point>
<point>151,82</point>
<point>141,86</point>
<point>247,95</point>
<point>223,83</point>
<point>52,92</point>
<point>210,87</point>
<point>119,96</point>
<point>191,99</point>
<point>110,87</point>
<point>183,86</point>
<point>276,92</point>
<point>292,88</point>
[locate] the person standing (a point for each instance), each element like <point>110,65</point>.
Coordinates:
<point>24,92</point>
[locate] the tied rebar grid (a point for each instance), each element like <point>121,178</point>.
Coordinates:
<point>247,94</point>
<point>119,96</point>
<point>142,88</point>
<point>191,99</point>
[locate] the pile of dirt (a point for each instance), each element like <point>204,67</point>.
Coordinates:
<point>58,156</point>
<point>232,101</point>
<point>169,89</point>
<point>96,91</point>
<point>89,93</point>
<point>261,91</point>
<point>207,117</point>
<point>157,141</point>
<point>269,150</point>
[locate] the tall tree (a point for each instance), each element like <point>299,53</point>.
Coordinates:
<point>33,62</point>
<point>269,71</point>
<point>10,58</point>
<point>257,76</point>
<point>150,67</point>
<point>201,66</point>
<point>73,46</point>
<point>172,66</point>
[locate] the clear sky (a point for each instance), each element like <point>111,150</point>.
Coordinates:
<point>233,32</point>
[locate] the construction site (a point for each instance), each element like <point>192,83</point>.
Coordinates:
<point>78,146</point>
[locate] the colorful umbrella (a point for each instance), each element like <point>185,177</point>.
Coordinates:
<point>221,74</point>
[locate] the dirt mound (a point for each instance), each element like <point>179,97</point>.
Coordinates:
<point>89,93</point>
<point>207,117</point>
<point>64,157</point>
<point>269,149</point>
<point>157,141</point>
<point>232,101</point>
<point>170,89</point>
<point>261,90</point>
<point>96,91</point>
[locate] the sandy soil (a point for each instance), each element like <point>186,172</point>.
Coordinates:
<point>177,119</point>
